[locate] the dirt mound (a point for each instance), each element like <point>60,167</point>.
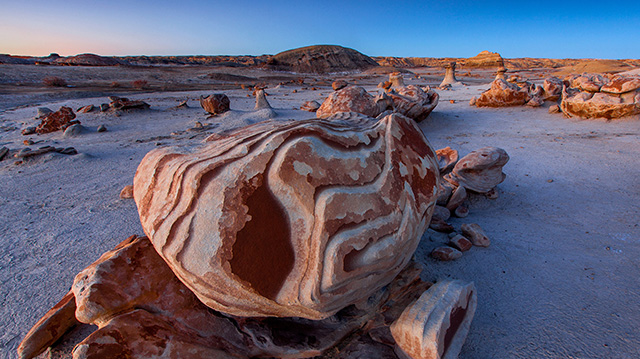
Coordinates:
<point>88,60</point>
<point>321,59</point>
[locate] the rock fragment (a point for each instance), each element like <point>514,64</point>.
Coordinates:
<point>446,253</point>
<point>413,102</point>
<point>102,128</point>
<point>480,170</point>
<point>73,131</point>
<point>461,243</point>
<point>85,109</point>
<point>436,325</point>
<point>311,106</point>
<point>475,234</point>
<point>349,99</point>
<point>339,84</point>
<point>127,192</point>
<point>56,121</point>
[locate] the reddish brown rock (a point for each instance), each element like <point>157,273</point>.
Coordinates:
<point>127,192</point>
<point>311,106</point>
<point>215,104</point>
<point>124,104</point>
<point>50,328</point>
<point>339,84</point>
<point>619,85</point>
<point>437,324</point>
<point>503,94</point>
<point>461,211</point>
<point>86,109</point>
<point>441,213</point>
<point>475,234</point>
<point>481,170</point>
<point>396,79</point>
<point>349,99</point>
<point>446,253</point>
<point>413,102</point>
<point>325,250</point>
<point>458,196</point>
<point>599,105</point>
<point>447,158</point>
<point>56,121</point>
<point>554,109</point>
<point>552,88</point>
<point>461,243</point>
<point>440,225</point>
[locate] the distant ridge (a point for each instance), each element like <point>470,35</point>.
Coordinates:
<point>321,59</point>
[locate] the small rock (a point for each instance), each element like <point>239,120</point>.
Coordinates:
<point>67,151</point>
<point>73,131</point>
<point>549,181</point>
<point>183,104</point>
<point>311,106</point>
<point>439,225</point>
<point>43,111</point>
<point>452,101</point>
<point>457,198</point>
<point>339,84</point>
<point>215,104</point>
<point>452,234</point>
<point>3,152</point>
<point>461,243</point>
<point>28,142</point>
<point>461,211</point>
<point>472,102</point>
<point>446,253</point>
<point>86,109</point>
<point>102,128</point>
<point>104,107</point>
<point>475,234</point>
<point>492,194</point>
<point>127,192</point>
<point>554,109</point>
<point>29,131</point>
<point>441,213</point>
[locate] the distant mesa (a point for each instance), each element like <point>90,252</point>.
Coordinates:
<point>87,60</point>
<point>485,59</point>
<point>321,59</point>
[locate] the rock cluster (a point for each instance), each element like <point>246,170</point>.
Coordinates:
<point>123,104</point>
<point>56,121</point>
<point>598,96</point>
<point>333,195</point>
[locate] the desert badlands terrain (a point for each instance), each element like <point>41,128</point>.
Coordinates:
<point>558,280</point>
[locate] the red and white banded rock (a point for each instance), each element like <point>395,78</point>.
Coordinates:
<point>480,170</point>
<point>349,99</point>
<point>600,104</point>
<point>290,218</point>
<point>503,94</point>
<point>436,325</point>
<point>413,102</point>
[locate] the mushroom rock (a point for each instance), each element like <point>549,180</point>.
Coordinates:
<point>447,158</point>
<point>345,206</point>
<point>215,104</point>
<point>261,100</point>
<point>500,73</point>
<point>396,79</point>
<point>552,87</point>
<point>413,102</point>
<point>449,75</point>
<point>436,325</point>
<point>503,94</point>
<point>480,170</point>
<point>58,120</point>
<point>349,99</point>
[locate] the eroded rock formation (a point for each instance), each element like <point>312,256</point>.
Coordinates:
<point>215,104</point>
<point>321,59</point>
<point>480,170</point>
<point>56,121</point>
<point>336,198</point>
<point>503,94</point>
<point>349,99</point>
<point>598,96</point>
<point>413,102</point>
<point>450,75</point>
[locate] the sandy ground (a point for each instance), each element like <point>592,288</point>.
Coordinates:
<point>560,279</point>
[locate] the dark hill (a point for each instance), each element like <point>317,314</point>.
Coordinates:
<point>321,59</point>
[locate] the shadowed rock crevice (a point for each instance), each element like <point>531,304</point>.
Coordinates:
<point>262,253</point>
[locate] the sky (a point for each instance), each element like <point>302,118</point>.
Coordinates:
<point>550,29</point>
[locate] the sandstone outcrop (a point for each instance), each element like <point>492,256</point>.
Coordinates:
<point>215,104</point>
<point>436,325</point>
<point>349,99</point>
<point>56,121</point>
<point>485,59</point>
<point>413,102</point>
<point>336,198</point>
<point>598,96</point>
<point>310,106</point>
<point>480,170</point>
<point>503,94</point>
<point>321,59</point>
<point>552,88</point>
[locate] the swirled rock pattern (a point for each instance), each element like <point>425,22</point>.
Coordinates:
<point>290,218</point>
<point>480,170</point>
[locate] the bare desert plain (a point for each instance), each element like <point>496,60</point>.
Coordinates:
<point>559,280</point>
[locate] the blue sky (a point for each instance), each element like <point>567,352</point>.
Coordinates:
<point>553,29</point>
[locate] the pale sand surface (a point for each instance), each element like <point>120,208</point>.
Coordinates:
<point>560,279</point>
